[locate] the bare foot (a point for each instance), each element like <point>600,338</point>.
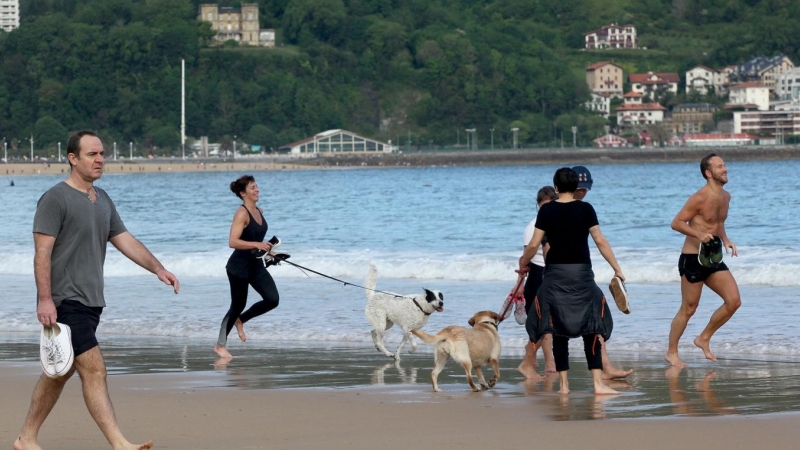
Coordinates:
<point>550,368</point>
<point>221,363</point>
<point>613,373</point>
<point>19,445</point>
<point>144,446</point>
<point>673,371</point>
<point>564,390</point>
<point>704,346</point>
<point>222,352</point>
<point>673,360</point>
<point>529,372</point>
<point>240,329</point>
<point>602,389</point>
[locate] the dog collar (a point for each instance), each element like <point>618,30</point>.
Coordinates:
<point>492,324</point>
<point>420,307</point>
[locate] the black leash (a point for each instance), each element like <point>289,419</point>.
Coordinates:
<point>346,283</point>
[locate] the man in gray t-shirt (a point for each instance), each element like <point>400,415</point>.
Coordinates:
<point>74,221</point>
<point>81,230</point>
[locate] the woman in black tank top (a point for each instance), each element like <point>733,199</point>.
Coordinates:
<point>247,233</point>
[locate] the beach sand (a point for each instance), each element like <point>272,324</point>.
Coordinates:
<point>152,166</point>
<point>538,156</point>
<point>353,398</point>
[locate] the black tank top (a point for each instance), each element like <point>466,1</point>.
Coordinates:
<point>241,261</point>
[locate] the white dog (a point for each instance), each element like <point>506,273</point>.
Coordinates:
<point>409,312</point>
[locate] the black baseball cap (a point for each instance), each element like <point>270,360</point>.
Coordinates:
<point>584,177</point>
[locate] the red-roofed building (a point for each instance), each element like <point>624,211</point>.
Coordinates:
<point>654,85</point>
<point>605,78</point>
<point>636,114</point>
<point>611,36</point>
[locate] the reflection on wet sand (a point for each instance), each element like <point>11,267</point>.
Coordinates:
<point>741,387</point>
<point>678,390</point>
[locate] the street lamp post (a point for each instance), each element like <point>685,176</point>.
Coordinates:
<point>5,151</point>
<point>115,151</point>
<point>574,136</point>
<point>31,148</point>
<point>59,152</point>
<point>515,130</point>
<point>492,144</point>
<point>131,146</point>
<point>234,147</point>
<point>469,147</point>
<point>474,141</point>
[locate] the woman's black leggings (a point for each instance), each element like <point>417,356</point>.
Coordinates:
<point>591,346</point>
<point>262,282</point>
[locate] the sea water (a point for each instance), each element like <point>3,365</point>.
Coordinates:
<point>455,229</point>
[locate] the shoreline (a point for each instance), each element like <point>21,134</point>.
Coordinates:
<point>417,159</point>
<point>191,410</point>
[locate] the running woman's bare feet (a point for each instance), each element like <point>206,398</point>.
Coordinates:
<point>240,329</point>
<point>222,352</point>
<point>550,368</point>
<point>704,345</point>
<point>20,445</point>
<point>130,446</point>
<point>673,360</point>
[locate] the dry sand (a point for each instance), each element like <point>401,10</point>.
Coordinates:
<point>182,411</point>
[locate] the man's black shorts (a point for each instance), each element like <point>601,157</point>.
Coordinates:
<point>83,321</point>
<point>689,267</point>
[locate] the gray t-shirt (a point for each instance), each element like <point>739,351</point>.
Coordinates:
<point>82,230</point>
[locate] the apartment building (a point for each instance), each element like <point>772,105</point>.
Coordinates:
<point>773,123</point>
<point>750,95</point>
<point>691,118</point>
<point>787,87</point>
<point>605,78</point>
<point>704,79</point>
<point>237,24</point>
<point>765,70</point>
<point>654,85</point>
<point>634,113</point>
<point>9,15</point>
<point>612,36</point>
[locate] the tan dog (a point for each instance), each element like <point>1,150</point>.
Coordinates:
<point>470,347</point>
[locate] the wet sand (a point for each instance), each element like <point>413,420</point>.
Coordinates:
<point>351,397</point>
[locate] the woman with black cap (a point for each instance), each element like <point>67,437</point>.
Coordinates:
<point>569,303</point>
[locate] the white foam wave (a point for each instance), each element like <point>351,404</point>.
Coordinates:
<point>754,266</point>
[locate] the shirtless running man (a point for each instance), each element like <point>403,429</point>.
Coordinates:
<point>702,218</point>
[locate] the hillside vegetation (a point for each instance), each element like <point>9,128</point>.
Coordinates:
<point>418,70</point>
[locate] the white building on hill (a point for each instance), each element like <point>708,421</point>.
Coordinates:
<point>9,15</point>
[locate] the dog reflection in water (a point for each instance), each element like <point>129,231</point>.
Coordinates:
<point>407,376</point>
<point>471,347</point>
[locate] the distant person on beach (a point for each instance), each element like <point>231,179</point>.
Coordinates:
<point>569,303</point>
<point>247,233</point>
<point>74,221</point>
<point>533,279</point>
<point>702,220</point>
<point>585,184</point>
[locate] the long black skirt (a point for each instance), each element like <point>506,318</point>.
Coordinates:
<point>570,304</point>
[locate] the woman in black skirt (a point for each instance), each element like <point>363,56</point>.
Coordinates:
<point>569,303</point>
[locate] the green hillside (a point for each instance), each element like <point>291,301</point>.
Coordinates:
<point>420,69</point>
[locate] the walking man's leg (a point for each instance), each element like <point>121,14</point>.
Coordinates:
<point>44,398</point>
<point>92,370</point>
<point>725,286</point>
<point>690,298</point>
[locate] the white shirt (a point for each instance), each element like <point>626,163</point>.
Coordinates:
<point>538,258</point>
